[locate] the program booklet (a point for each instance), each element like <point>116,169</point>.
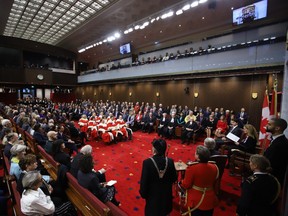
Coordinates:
<point>111,182</point>
<point>233,137</point>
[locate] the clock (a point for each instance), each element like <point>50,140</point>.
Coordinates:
<point>40,77</point>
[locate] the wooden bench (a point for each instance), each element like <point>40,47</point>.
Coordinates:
<point>49,163</point>
<point>115,210</point>
<point>16,200</point>
<point>87,202</point>
<point>84,200</point>
<point>31,142</point>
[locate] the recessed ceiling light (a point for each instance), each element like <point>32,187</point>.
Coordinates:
<point>179,25</point>
<point>179,12</point>
<point>194,4</point>
<point>186,7</point>
<point>203,18</point>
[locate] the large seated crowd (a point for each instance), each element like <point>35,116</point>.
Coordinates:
<point>54,129</point>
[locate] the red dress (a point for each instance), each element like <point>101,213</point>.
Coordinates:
<point>222,125</point>
<point>199,176</point>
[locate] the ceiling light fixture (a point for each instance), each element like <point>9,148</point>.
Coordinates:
<point>194,4</point>
<point>202,1</point>
<point>186,7</point>
<point>179,12</point>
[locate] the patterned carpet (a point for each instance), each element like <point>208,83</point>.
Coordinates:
<point>123,162</point>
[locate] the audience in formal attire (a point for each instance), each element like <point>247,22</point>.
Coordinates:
<point>17,153</point>
<point>259,191</point>
<point>221,127</point>
<point>149,123</point>
<point>59,155</point>
<point>69,143</point>
<point>12,139</point>
<point>210,125</point>
<point>86,150</point>
<point>52,136</point>
<point>189,130</point>
<point>277,151</point>
<point>242,117</point>
<point>248,141</point>
<point>39,135</point>
<point>157,178</point>
<point>163,125</point>
<point>34,201</point>
<point>199,181</point>
<point>88,179</point>
<point>171,126</point>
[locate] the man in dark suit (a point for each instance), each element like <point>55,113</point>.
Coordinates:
<point>149,123</point>
<point>278,149</point>
<point>235,129</point>
<point>70,144</point>
<point>242,117</point>
<point>163,125</point>
<point>158,176</point>
<point>189,129</point>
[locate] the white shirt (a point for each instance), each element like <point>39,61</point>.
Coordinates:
<point>35,202</point>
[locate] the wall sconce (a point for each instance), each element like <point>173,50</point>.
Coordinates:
<point>130,94</point>
<point>95,93</point>
<point>254,95</point>
<point>110,93</point>
<point>196,94</point>
<point>157,94</point>
<point>83,93</point>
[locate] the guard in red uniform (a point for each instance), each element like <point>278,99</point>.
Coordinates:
<point>199,183</point>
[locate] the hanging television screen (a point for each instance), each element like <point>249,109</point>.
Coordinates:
<point>250,13</point>
<point>125,48</point>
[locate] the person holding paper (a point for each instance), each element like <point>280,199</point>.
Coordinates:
<point>88,179</point>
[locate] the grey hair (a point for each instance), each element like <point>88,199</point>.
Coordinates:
<point>209,143</point>
<point>87,149</point>
<point>4,122</point>
<point>262,163</point>
<point>17,148</point>
<point>203,153</point>
<point>30,179</point>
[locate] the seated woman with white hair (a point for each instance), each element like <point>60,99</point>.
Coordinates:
<point>86,150</point>
<point>210,144</point>
<point>34,201</point>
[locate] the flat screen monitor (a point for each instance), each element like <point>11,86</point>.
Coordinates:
<point>250,13</point>
<point>125,48</point>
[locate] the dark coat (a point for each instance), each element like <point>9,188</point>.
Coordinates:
<point>40,138</point>
<point>63,158</point>
<point>258,192</point>
<point>248,145</point>
<point>157,192</point>
<point>277,155</point>
<point>91,182</point>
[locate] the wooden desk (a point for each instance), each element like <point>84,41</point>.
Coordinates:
<point>180,168</point>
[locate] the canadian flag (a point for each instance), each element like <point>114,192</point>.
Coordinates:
<point>264,121</point>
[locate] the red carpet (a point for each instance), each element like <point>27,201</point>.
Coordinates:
<point>123,162</point>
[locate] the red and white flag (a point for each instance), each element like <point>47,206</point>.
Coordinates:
<point>264,121</point>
